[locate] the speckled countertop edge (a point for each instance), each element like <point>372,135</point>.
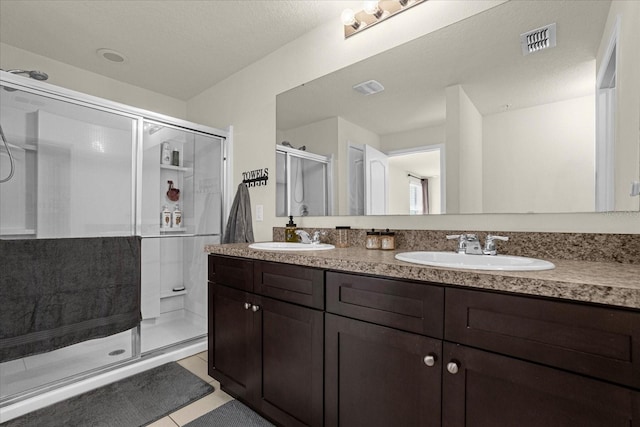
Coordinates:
<point>606,283</point>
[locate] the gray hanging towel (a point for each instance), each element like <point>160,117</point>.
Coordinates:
<point>239,226</point>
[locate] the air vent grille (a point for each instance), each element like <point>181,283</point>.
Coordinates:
<point>538,39</point>
<point>369,87</point>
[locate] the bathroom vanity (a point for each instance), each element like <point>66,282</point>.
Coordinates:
<point>351,337</point>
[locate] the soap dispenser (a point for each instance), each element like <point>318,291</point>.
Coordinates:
<point>290,231</point>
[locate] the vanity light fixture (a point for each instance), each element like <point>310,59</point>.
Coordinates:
<point>373,13</point>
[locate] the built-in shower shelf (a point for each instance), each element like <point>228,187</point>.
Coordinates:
<point>175,168</point>
<point>173,230</point>
<point>170,294</point>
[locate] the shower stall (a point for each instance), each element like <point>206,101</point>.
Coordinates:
<point>303,182</point>
<point>84,194</point>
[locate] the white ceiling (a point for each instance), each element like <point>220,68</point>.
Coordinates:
<point>175,47</point>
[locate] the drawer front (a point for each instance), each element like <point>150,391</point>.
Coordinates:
<point>291,283</point>
<point>595,341</point>
<point>233,272</point>
<point>398,304</point>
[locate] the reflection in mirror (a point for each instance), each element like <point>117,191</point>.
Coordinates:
<point>556,130</point>
<point>302,182</point>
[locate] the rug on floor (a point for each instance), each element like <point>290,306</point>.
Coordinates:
<point>231,414</point>
<point>134,401</point>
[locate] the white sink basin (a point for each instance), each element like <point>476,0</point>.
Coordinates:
<point>475,262</point>
<point>290,246</point>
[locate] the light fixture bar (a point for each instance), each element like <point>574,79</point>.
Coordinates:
<point>373,13</point>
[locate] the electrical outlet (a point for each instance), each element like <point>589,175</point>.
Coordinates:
<point>635,188</point>
<point>259,213</point>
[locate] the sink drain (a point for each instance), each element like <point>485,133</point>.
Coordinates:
<point>116,352</point>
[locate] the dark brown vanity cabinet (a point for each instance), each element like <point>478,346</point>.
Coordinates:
<point>538,362</point>
<point>414,354</point>
<point>407,353</point>
<point>265,351</point>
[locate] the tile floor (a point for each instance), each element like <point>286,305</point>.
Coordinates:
<point>198,365</point>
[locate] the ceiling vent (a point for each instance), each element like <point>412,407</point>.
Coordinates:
<point>541,38</point>
<point>369,87</point>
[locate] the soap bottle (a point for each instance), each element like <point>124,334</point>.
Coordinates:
<point>165,218</point>
<point>290,231</point>
<point>177,217</point>
<point>165,158</point>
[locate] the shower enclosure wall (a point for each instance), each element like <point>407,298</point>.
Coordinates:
<point>88,170</point>
<point>303,183</point>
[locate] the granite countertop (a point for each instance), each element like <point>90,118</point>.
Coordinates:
<point>609,283</point>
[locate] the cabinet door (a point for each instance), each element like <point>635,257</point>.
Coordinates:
<point>291,372</point>
<point>230,328</point>
<point>378,376</point>
<point>492,390</point>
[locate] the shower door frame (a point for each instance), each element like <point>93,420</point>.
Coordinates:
<point>138,116</point>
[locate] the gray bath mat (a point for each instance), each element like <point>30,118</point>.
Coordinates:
<point>135,401</point>
<point>231,414</point>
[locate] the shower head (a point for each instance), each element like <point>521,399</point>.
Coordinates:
<point>286,144</point>
<point>34,74</point>
<point>303,148</point>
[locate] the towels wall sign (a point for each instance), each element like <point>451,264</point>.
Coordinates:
<point>255,178</point>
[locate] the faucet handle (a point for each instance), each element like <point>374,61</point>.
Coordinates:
<point>462,241</point>
<point>316,236</point>
<point>490,244</point>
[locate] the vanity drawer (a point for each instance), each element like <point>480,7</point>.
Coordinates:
<point>398,304</point>
<point>234,272</point>
<point>291,283</point>
<point>595,341</point>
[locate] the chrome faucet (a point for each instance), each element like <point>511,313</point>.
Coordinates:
<point>490,244</point>
<point>467,243</point>
<point>470,244</point>
<point>315,240</point>
<point>306,238</point>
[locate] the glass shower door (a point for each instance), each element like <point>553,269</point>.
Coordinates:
<point>71,169</point>
<point>181,205</point>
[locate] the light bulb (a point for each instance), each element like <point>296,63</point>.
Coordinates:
<point>370,7</point>
<point>348,17</point>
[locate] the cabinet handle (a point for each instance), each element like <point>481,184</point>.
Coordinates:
<point>255,308</point>
<point>430,359</point>
<point>452,367</point>
<point>247,305</point>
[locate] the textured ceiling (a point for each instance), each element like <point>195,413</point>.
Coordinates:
<point>177,48</point>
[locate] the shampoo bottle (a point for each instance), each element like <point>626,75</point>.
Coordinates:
<point>177,217</point>
<point>165,218</point>
<point>165,157</point>
<point>290,231</point>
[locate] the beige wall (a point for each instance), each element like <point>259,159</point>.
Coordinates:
<point>67,76</point>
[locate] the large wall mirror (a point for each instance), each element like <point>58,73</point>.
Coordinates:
<point>467,120</point>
